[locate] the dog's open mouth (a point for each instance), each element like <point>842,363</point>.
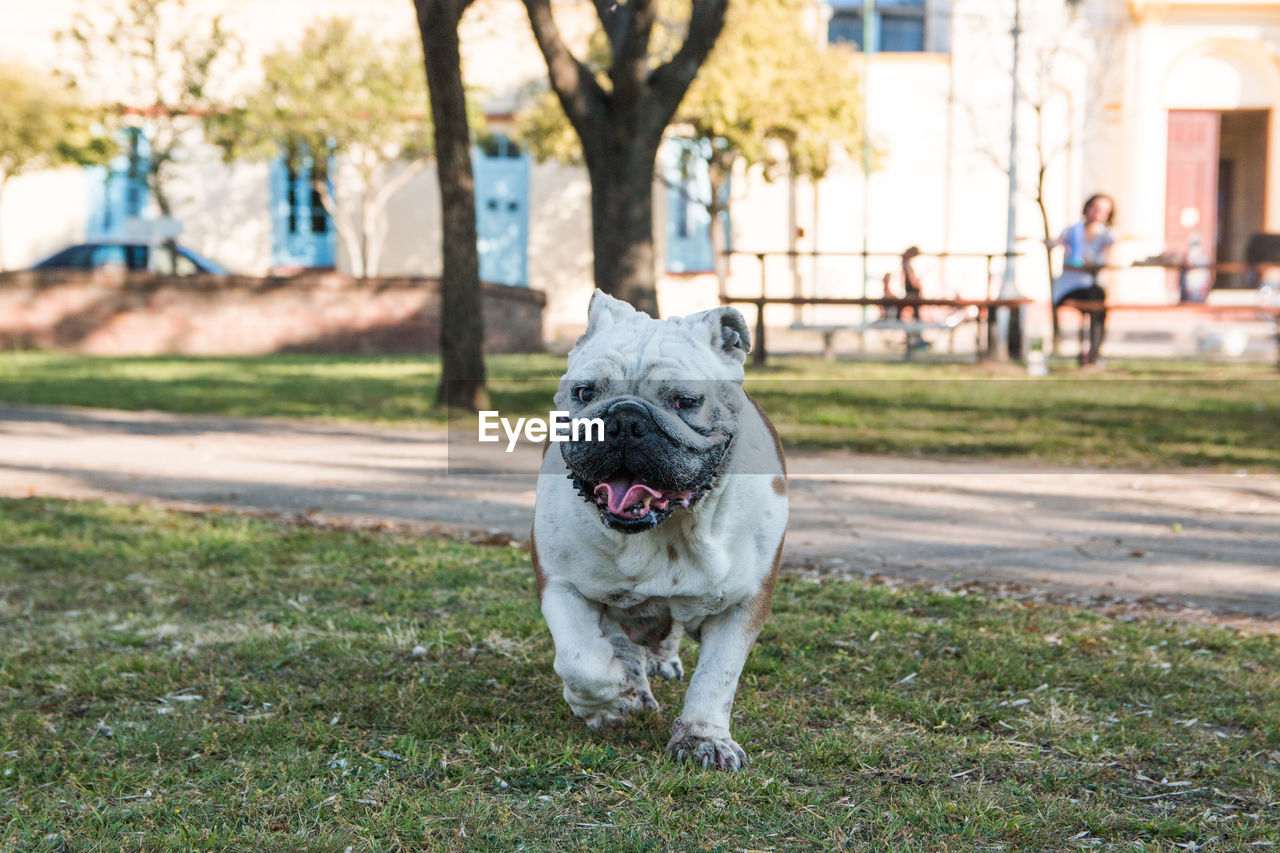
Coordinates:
<point>629,504</point>
<point>628,497</point>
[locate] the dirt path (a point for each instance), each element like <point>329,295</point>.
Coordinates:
<point>1166,539</point>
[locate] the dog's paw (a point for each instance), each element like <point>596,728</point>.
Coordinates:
<point>607,697</point>
<point>611,715</point>
<point>713,752</point>
<point>671,668</point>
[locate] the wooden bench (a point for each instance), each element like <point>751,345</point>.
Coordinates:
<point>1087,308</point>
<point>888,324</point>
<point>982,318</point>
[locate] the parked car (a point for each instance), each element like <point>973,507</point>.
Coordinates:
<point>134,255</point>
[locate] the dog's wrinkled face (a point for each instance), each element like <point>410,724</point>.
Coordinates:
<point>669,394</point>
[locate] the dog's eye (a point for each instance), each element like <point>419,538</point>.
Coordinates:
<point>687,403</point>
<point>584,393</point>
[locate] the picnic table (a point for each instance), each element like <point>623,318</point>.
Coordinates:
<point>984,307</point>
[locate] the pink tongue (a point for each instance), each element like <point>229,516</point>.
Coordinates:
<point>623,493</point>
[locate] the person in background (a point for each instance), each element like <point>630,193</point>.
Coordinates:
<point>911,290</point>
<point>1088,244</point>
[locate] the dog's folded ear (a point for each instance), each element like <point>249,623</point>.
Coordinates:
<point>729,333</point>
<point>603,312</point>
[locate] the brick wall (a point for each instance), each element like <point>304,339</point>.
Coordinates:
<point>108,313</point>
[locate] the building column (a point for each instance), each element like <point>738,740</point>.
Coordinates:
<point>1144,201</point>
<point>1271,209</point>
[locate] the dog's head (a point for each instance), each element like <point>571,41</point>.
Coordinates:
<point>669,393</point>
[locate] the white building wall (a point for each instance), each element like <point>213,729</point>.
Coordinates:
<point>40,213</point>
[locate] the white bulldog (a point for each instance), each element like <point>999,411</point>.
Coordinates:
<point>672,524</point>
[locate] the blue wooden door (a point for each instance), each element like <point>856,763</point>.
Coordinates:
<point>301,229</point>
<point>502,211</point>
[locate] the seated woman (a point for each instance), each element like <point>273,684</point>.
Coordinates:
<point>1088,245</point>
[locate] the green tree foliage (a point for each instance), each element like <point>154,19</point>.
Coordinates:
<point>43,126</point>
<point>339,94</point>
<point>151,64</point>
<point>766,95</point>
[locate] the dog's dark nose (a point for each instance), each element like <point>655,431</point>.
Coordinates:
<point>626,419</point>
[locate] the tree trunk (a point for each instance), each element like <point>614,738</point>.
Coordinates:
<point>718,176</point>
<point>462,375</point>
<point>374,240</point>
<point>1048,262</point>
<point>368,216</point>
<point>622,242</point>
<point>344,224</point>
<point>156,182</point>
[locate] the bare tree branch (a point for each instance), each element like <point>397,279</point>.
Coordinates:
<point>630,41</point>
<point>614,17</point>
<point>576,87</point>
<point>672,79</point>
<point>344,223</point>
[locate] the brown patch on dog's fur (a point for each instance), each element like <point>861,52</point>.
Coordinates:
<point>539,578</point>
<point>762,602</point>
<point>777,442</point>
<point>779,485</point>
<point>672,553</point>
<point>648,630</point>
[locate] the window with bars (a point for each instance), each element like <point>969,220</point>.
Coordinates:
<point>897,26</point>
<point>684,169</point>
<point>306,204</point>
<point>303,234</point>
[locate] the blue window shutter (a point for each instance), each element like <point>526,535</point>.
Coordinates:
<point>326,242</point>
<point>125,187</point>
<point>95,178</point>
<point>115,193</point>
<point>139,188</point>
<point>684,163</point>
<point>278,178</point>
<point>305,243</point>
<point>302,206</point>
<point>726,193</point>
<point>113,220</point>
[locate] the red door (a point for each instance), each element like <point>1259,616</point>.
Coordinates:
<point>1191,183</point>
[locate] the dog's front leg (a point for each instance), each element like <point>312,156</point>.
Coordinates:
<point>701,734</point>
<point>595,680</point>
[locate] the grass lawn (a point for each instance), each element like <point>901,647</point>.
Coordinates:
<point>1152,414</point>
<point>183,682</point>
